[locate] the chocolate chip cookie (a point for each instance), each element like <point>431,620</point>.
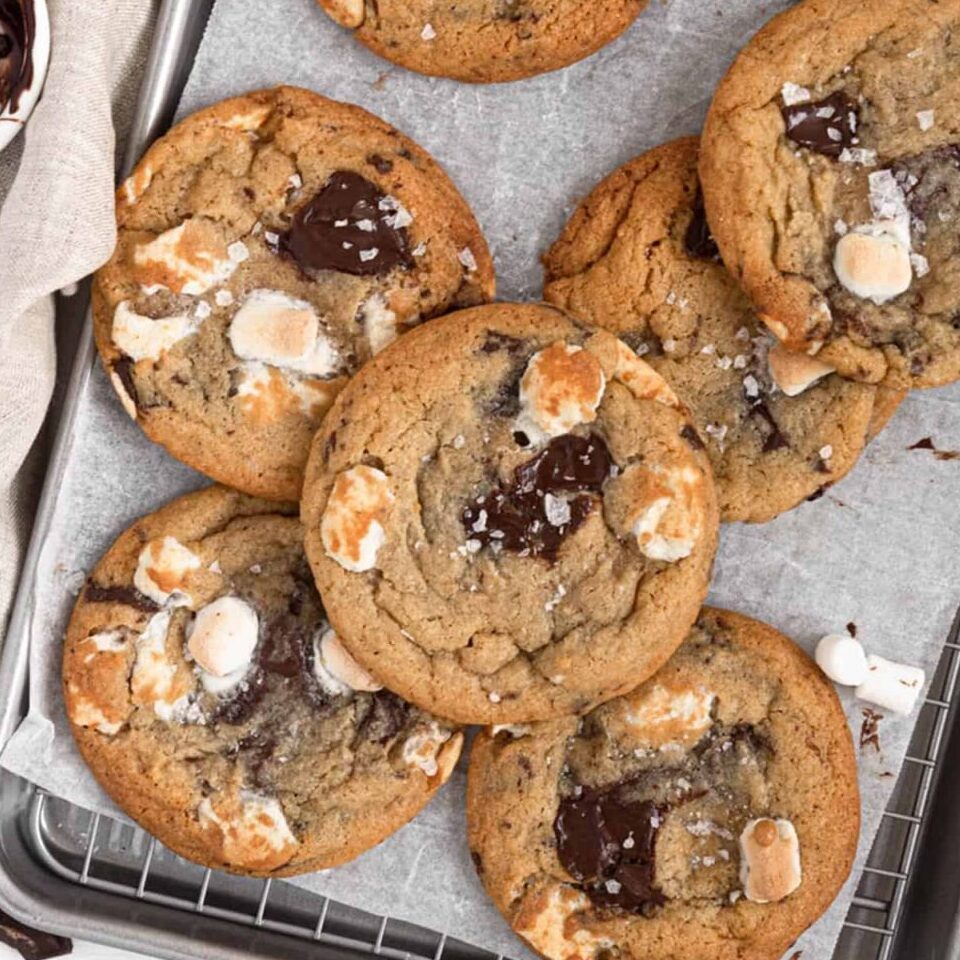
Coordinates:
<point>268,246</point>
<point>213,702</point>
<point>711,813</point>
<point>831,172</point>
<point>510,516</point>
<point>484,41</point>
<point>637,258</point>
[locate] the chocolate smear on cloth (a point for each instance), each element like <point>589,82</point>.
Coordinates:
<point>527,516</point>
<point>32,944</point>
<point>827,126</point>
<point>349,226</point>
<point>17,32</point>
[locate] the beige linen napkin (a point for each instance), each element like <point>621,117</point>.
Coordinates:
<point>56,226</point>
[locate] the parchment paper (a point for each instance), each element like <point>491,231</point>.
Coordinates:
<point>879,549</point>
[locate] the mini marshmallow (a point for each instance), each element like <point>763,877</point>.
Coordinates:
<point>795,372</point>
<point>379,323</point>
<point>872,266</point>
<point>769,860</point>
<point>842,659</point>
<point>561,388</point>
<point>351,528</point>
<point>143,338</point>
<point>161,570</point>
<point>893,686</point>
<point>223,636</point>
<point>183,260</point>
<point>336,671</point>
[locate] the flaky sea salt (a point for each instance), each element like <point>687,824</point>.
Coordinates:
<point>925,120</point>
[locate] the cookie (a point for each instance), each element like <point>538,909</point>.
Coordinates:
<point>831,174</point>
<point>711,813</point>
<point>484,41</point>
<point>510,516</point>
<point>215,705</point>
<point>268,246</point>
<point>637,259</point>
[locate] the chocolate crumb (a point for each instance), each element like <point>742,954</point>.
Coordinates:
<point>927,444</point>
<point>870,729</point>
<point>852,629</point>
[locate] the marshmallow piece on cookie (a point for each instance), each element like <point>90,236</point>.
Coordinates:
<point>161,570</point>
<point>421,749</point>
<point>223,636</point>
<point>336,671</point>
<point>351,528</point>
<point>85,713</point>
<point>769,860</point>
<point>561,388</point>
<point>255,833</point>
<point>842,659</point>
<point>663,715</point>
<point>873,265</point>
<point>795,372</point>
<point>894,686</point>
<point>641,379</point>
<point>548,922</point>
<point>379,323</point>
<point>153,681</point>
<point>143,338</point>
<point>188,259</point>
<point>348,13</point>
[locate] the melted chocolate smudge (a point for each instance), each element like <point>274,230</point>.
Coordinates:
<point>774,438</point>
<point>698,240</point>
<point>386,717</point>
<point>827,126</point>
<point>689,433</point>
<point>130,596</point>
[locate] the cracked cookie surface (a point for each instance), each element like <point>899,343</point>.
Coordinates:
<point>712,812</point>
<point>637,259</point>
<point>268,246</point>
<point>213,703</point>
<point>831,171</point>
<point>510,516</point>
<point>484,41</point>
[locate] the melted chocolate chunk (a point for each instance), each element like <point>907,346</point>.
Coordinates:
<point>255,750</point>
<point>514,516</point>
<point>379,163</point>
<point>931,182</point>
<point>385,718</point>
<point>130,596</point>
<point>17,31</point>
<point>689,433</point>
<point>30,943</point>
<point>773,437</point>
<point>698,240</point>
<point>349,226</point>
<point>496,342</point>
<point>591,830</point>
<point>123,368</point>
<point>825,126</point>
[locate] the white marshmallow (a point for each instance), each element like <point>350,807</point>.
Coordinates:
<point>85,713</point>
<point>641,379</point>
<point>665,714</point>
<point>258,832</point>
<point>143,338</point>
<point>420,750</point>
<point>894,686</point>
<point>348,13</point>
<point>551,934</point>
<point>379,323</point>
<point>561,388</point>
<point>223,636</point>
<point>336,671</point>
<point>248,122</point>
<point>872,266</point>
<point>152,679</point>
<point>161,569</point>
<point>795,372</point>
<point>842,659</point>
<point>351,528</point>
<point>180,262</point>
<point>665,515</point>
<point>769,860</point>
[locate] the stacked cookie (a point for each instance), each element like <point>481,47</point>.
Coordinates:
<point>508,513</point>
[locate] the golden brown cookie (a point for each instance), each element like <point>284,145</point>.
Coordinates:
<point>268,246</point>
<point>831,174</point>
<point>484,41</point>
<point>711,814</point>
<point>510,516</point>
<point>637,259</point>
<point>214,704</point>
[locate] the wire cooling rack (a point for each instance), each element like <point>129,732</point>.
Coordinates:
<point>106,855</point>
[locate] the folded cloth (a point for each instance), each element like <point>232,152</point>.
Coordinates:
<point>57,225</point>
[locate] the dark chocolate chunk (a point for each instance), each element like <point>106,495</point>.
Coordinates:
<point>827,126</point>
<point>852,629</point>
<point>30,943</point>
<point>689,433</point>
<point>17,32</point>
<point>698,241</point>
<point>349,226</point>
<point>130,596</point>
<point>385,718</point>
<point>773,437</point>
<point>818,493</point>
<point>123,368</point>
<point>514,516</point>
<point>496,342</point>
<point>380,164</point>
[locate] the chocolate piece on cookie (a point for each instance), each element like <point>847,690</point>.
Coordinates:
<point>711,812</point>
<point>268,246</point>
<point>507,516</point>
<point>831,172</point>
<point>226,717</point>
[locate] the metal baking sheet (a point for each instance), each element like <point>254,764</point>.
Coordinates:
<point>523,154</point>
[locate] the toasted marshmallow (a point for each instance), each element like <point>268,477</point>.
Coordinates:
<point>248,122</point>
<point>254,830</point>
<point>641,379</point>
<point>85,713</point>
<point>162,568</point>
<point>336,671</point>
<point>561,388</point>
<point>795,372</point>
<point>662,715</point>
<point>420,750</point>
<point>379,323</point>
<point>348,13</point>
<point>185,259</point>
<point>351,528</point>
<point>143,338</point>
<point>107,641</point>
<point>152,680</point>
<point>873,266</point>
<point>769,860</point>
<point>277,329</point>
<point>136,185</point>
<point>223,636</point>
<point>547,924</point>
<point>894,686</point>
<point>842,659</point>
